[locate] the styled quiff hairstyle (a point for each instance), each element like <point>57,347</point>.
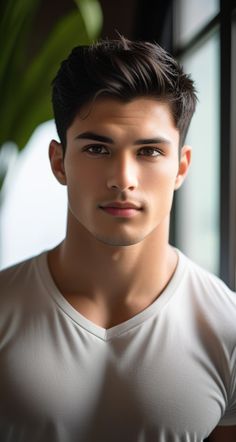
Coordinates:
<point>124,70</point>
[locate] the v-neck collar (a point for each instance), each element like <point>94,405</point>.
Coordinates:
<point>103,333</point>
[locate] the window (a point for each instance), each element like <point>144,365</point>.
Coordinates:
<point>33,217</point>
<point>197,207</point>
<point>190,16</point>
<point>205,208</point>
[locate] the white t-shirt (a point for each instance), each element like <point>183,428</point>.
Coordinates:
<point>168,374</point>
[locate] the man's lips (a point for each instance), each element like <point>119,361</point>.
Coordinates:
<point>121,210</point>
<point>121,205</point>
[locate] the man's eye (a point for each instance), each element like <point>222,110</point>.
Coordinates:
<point>151,151</point>
<point>96,149</point>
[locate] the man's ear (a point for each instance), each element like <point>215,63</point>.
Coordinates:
<point>57,161</point>
<point>184,163</point>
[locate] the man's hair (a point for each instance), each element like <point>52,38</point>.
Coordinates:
<point>123,70</point>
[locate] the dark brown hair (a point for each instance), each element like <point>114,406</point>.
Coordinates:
<point>124,70</point>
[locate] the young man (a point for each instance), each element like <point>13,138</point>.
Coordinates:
<point>115,335</point>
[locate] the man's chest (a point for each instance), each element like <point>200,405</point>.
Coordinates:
<point>135,385</point>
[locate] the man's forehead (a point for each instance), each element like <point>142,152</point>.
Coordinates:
<point>141,118</point>
<point>113,107</point>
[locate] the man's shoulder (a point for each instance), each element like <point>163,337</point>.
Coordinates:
<point>19,275</point>
<point>10,272</point>
<point>207,281</point>
<point>211,296</point>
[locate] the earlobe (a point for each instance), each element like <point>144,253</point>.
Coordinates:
<point>184,164</point>
<point>57,161</point>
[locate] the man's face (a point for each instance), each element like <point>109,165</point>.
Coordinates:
<point>125,153</point>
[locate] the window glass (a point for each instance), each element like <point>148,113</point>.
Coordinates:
<point>197,202</point>
<point>33,212</point>
<point>190,16</point>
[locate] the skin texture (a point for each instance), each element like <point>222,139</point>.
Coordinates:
<point>126,177</point>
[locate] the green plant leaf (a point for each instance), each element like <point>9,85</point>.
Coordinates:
<point>91,12</point>
<point>27,97</point>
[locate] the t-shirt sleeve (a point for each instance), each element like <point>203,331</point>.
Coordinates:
<point>229,417</point>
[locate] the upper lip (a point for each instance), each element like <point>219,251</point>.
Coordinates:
<point>120,205</point>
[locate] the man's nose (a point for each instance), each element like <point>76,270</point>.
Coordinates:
<point>123,174</point>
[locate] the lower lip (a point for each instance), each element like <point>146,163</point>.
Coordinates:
<point>127,213</point>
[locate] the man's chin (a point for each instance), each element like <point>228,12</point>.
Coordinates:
<point>119,241</point>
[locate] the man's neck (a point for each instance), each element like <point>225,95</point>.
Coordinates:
<point>124,280</point>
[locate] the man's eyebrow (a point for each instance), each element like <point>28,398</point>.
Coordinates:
<point>96,137</point>
<point>156,140</point>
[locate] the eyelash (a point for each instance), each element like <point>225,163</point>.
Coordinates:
<point>92,146</point>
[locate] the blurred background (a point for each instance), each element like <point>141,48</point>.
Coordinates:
<point>36,36</point>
